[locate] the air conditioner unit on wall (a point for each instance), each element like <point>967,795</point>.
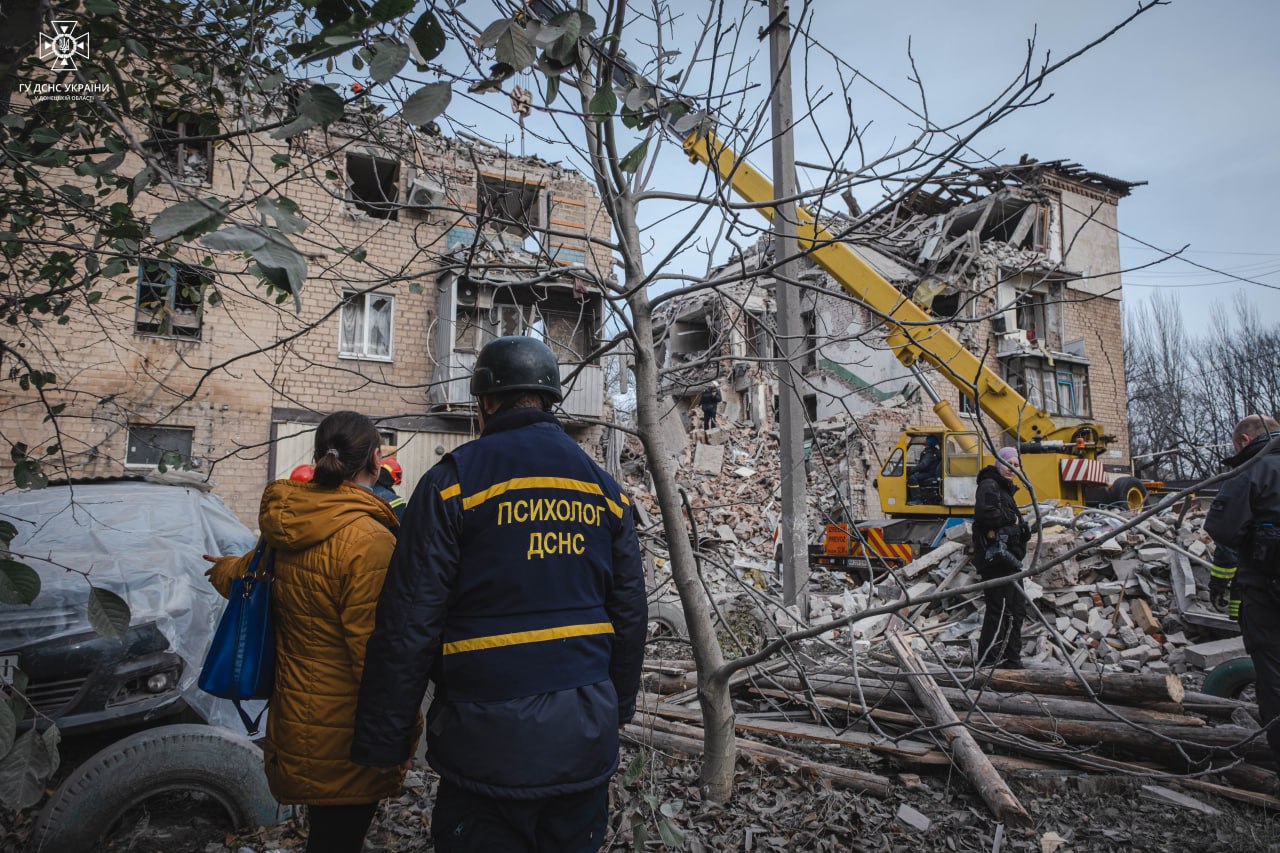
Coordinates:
<point>1017,337</point>
<point>425,192</point>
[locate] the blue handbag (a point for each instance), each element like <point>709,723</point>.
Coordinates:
<point>241,663</point>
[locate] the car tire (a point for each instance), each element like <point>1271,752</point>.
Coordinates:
<point>205,759</point>
<point>1230,679</point>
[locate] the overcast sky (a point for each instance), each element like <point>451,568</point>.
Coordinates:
<point>1184,99</point>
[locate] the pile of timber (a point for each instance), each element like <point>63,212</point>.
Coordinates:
<point>987,723</point>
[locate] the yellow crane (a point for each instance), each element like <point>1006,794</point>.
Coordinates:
<point>1059,460</point>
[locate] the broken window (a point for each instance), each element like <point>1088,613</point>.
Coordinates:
<point>1037,312</point>
<point>187,162</point>
<point>1060,389</point>
<point>571,334</point>
<point>150,445</point>
<point>170,297</point>
<point>759,336</point>
<point>373,185</point>
<point>510,206</point>
<point>809,352</point>
<point>690,336</point>
<point>367,324</point>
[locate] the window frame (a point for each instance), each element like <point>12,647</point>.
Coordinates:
<point>349,298</point>
<point>385,208</point>
<point>131,430</point>
<point>175,288</point>
<point>170,150</point>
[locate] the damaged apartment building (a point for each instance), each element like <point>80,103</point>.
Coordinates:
<point>420,248</point>
<point>1022,264</point>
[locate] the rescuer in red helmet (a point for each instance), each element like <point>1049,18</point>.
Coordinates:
<point>389,476</point>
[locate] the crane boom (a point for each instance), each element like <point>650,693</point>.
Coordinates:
<point>914,334</point>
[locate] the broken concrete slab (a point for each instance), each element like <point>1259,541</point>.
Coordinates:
<point>913,819</point>
<point>1209,655</point>
<point>1168,795</point>
<point>708,457</point>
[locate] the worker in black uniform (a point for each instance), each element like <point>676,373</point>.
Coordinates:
<point>1245,518</point>
<point>517,588</point>
<point>999,545</point>
<point>710,402</point>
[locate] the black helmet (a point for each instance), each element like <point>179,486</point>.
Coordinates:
<point>516,363</point>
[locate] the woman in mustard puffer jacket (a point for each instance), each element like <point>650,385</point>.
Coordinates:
<point>333,539</point>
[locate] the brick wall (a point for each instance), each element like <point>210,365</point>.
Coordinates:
<point>256,355</point>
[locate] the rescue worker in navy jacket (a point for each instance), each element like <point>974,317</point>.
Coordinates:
<point>999,546</point>
<point>1244,521</point>
<point>517,588</point>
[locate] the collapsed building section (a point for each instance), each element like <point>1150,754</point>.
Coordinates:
<point>1019,262</point>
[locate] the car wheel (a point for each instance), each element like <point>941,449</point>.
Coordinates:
<point>220,768</point>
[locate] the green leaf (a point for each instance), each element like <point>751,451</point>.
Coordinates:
<point>553,89</point>
<point>515,48</point>
<point>7,532</point>
<point>428,36</point>
<point>495,31</point>
<point>385,10</point>
<point>19,583</point>
<point>634,158</point>
<point>283,212</point>
<point>108,613</point>
<point>187,217</point>
<point>283,264</point>
<point>639,837</point>
<point>603,103</point>
<point>234,239</point>
<point>389,59</point>
<point>671,834</point>
<point>280,160</point>
<point>28,475</point>
<point>17,690</point>
<point>425,105</point>
<point>45,135</point>
<point>24,771</point>
<point>634,769</point>
<point>100,7</point>
<point>320,104</point>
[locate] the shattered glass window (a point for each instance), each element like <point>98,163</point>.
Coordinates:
<point>169,299</point>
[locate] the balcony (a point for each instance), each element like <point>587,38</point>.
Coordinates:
<point>584,398</point>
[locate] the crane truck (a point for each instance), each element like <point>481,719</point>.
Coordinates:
<point>1059,461</point>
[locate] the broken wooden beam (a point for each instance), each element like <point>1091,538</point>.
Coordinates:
<point>960,743</point>
<point>858,780</point>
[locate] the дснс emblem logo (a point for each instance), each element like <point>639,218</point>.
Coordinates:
<point>64,45</point>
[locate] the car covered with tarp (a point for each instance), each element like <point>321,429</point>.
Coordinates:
<point>143,540</point>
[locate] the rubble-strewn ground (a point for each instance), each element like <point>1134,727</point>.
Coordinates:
<point>1132,608</point>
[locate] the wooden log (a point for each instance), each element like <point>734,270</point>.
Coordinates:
<point>960,743</point>
<point>806,731</point>
<point>858,780</point>
<point>1114,688</point>
<point>1024,704</point>
<point>1251,783</point>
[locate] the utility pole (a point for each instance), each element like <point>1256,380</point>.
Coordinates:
<point>795,539</point>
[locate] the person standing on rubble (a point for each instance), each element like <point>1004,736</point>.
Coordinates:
<point>999,545</point>
<point>710,402</point>
<point>1245,519</point>
<point>517,587</point>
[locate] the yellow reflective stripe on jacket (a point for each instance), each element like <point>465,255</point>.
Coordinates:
<point>451,492</point>
<point>520,637</point>
<point>562,483</point>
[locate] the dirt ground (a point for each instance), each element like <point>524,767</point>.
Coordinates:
<point>655,806</point>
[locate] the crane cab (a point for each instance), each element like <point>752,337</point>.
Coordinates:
<point>934,472</point>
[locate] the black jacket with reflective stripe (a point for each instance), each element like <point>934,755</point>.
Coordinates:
<point>1247,500</point>
<point>517,587</point>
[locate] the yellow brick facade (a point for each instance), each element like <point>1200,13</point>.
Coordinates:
<point>258,361</point>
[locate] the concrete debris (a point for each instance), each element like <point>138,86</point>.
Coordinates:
<point>1136,601</point>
